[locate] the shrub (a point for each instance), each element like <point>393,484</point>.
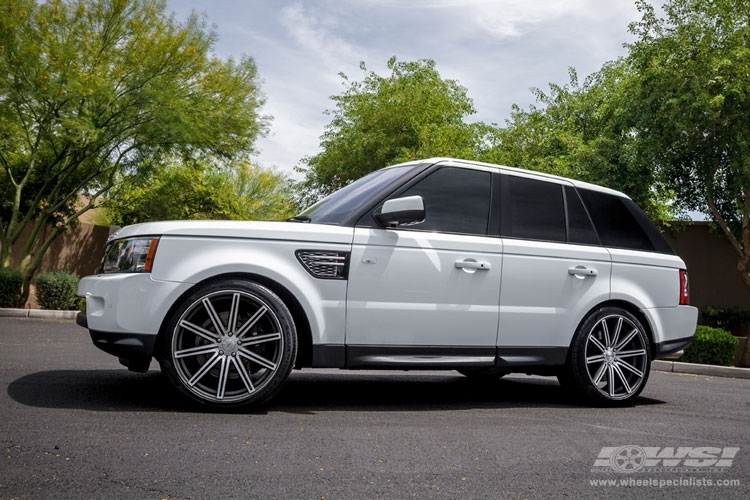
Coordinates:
<point>57,290</point>
<point>11,281</point>
<point>729,319</point>
<point>711,346</point>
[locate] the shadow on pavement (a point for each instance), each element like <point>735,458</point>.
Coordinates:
<point>305,392</point>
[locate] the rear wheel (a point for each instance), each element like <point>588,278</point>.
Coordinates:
<point>230,343</point>
<point>610,358</point>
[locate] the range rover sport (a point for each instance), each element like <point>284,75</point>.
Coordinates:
<point>432,264</point>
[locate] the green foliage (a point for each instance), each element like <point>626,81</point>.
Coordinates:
<point>97,91</point>
<point>11,281</point>
<point>412,113</point>
<point>711,346</point>
<point>57,290</point>
<point>690,103</point>
<point>583,131</point>
<point>202,190</point>
<point>729,319</point>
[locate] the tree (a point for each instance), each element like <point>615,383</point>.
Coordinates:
<point>201,190</point>
<point>583,131</point>
<point>94,90</point>
<point>692,104</point>
<point>412,113</point>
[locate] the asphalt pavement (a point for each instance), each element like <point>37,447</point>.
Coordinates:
<point>77,425</point>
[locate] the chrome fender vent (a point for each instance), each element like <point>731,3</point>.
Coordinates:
<point>325,264</point>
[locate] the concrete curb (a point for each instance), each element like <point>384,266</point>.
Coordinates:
<point>659,365</point>
<point>38,313</point>
<point>696,369</point>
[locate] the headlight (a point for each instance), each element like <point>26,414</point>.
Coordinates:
<point>130,255</point>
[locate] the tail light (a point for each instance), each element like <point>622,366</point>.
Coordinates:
<point>684,288</point>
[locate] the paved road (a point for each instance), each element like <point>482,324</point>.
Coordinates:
<point>76,425</point>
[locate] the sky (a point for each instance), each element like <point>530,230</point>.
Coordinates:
<point>498,50</point>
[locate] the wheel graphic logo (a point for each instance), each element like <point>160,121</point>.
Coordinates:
<point>628,458</point>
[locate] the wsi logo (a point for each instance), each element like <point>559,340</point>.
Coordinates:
<point>633,458</point>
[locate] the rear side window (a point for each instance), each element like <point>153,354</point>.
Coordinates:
<point>580,229</point>
<point>620,223</point>
<point>532,209</point>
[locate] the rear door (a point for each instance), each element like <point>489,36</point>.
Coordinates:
<point>554,269</point>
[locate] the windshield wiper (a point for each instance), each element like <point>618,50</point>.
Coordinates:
<point>299,218</point>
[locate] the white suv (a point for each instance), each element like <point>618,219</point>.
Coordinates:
<point>433,264</point>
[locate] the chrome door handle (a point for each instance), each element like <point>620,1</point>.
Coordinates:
<point>582,271</point>
<point>473,264</point>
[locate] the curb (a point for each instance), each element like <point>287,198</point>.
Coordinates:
<point>659,365</point>
<point>38,313</point>
<point>695,369</point>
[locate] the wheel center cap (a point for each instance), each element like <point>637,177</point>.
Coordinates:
<point>229,345</point>
<point>609,356</point>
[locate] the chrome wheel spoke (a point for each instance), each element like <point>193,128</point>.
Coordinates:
<point>595,359</point>
<point>630,337</point>
<point>223,376</point>
<point>616,370</point>
<point>630,368</point>
<point>244,376</point>
<point>200,331</point>
<point>597,379</point>
<point>204,369</point>
<point>251,322</point>
<point>257,359</point>
<point>629,354</point>
<point>613,341</point>
<point>598,344</point>
<point>197,351</point>
<point>215,319</point>
<point>233,313</point>
<point>260,339</point>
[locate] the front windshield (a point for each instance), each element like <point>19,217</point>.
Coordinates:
<point>334,208</point>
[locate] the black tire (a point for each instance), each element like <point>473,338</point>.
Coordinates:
<point>483,374</point>
<point>610,358</point>
<point>231,343</point>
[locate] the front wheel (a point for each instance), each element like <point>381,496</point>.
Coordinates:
<point>230,343</point>
<point>610,358</point>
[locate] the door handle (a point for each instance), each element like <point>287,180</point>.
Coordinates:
<point>582,271</point>
<point>473,264</point>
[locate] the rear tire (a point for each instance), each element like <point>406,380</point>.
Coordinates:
<point>231,343</point>
<point>610,358</point>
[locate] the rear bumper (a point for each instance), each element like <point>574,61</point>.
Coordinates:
<point>668,347</point>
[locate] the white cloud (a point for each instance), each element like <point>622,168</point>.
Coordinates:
<point>496,49</point>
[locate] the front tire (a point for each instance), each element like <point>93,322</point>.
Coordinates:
<point>610,358</point>
<point>230,343</point>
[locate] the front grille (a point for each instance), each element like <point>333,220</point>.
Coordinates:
<point>325,264</point>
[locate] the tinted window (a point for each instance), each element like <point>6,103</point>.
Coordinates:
<point>533,209</point>
<point>614,222</point>
<point>580,229</point>
<point>336,207</point>
<point>456,200</point>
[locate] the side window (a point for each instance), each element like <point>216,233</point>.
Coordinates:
<point>580,229</point>
<point>532,209</point>
<point>457,200</point>
<point>614,222</point>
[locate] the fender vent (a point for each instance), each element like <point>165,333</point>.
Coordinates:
<point>325,264</point>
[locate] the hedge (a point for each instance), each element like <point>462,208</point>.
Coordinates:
<point>57,290</point>
<point>711,346</point>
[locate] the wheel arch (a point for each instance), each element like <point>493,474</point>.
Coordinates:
<point>301,321</point>
<point>628,306</point>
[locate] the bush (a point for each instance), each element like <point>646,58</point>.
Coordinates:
<point>57,290</point>
<point>11,281</point>
<point>711,346</point>
<point>729,319</point>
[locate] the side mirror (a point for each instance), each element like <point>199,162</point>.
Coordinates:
<point>401,211</point>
